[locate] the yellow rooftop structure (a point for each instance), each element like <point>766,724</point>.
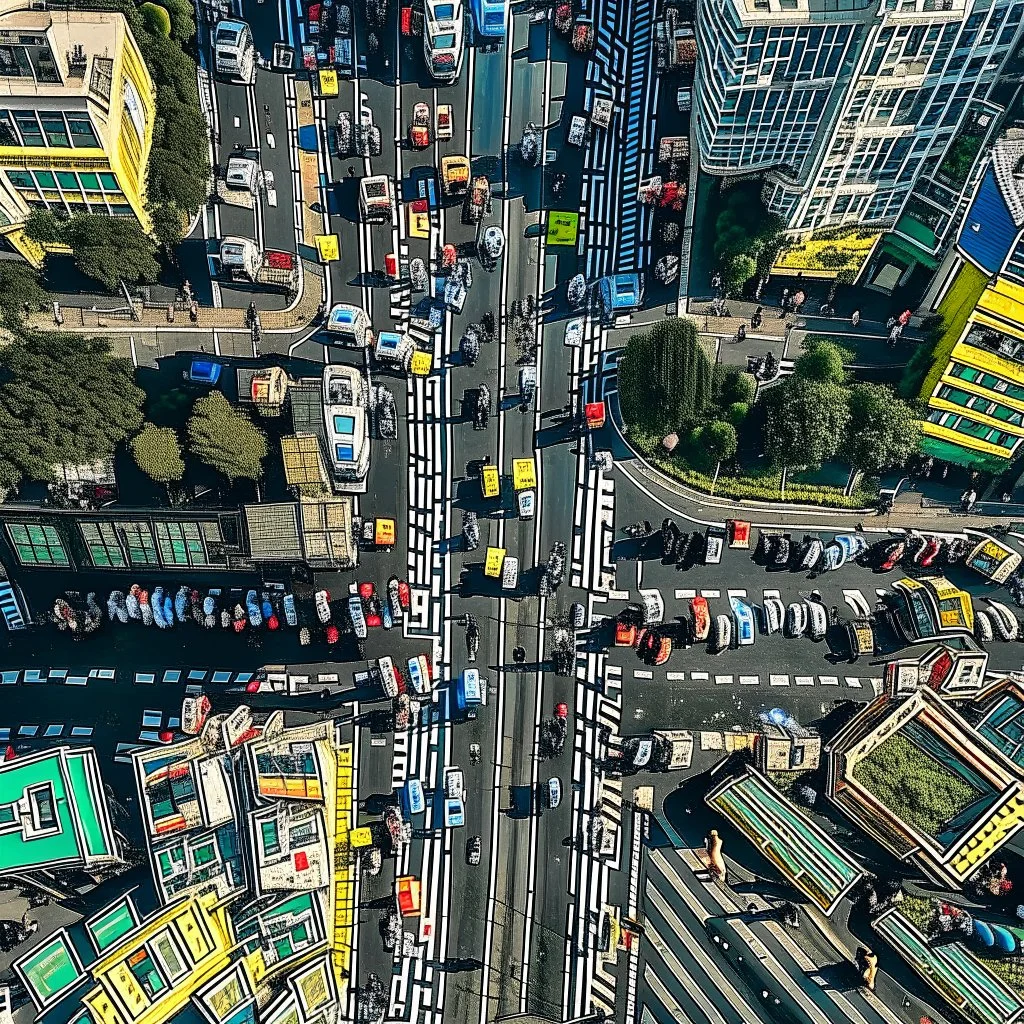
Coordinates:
<point>77,107</point>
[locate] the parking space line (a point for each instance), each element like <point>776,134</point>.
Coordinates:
<point>853,681</point>
<point>77,681</point>
<point>773,593</point>
<point>711,593</point>
<point>804,680</point>
<point>28,730</point>
<point>53,730</point>
<point>197,674</point>
<point>642,673</point>
<point>675,677</point>
<point>220,677</point>
<point>685,595</point>
<point>81,730</point>
<point>105,673</point>
<point>58,673</point>
<point>750,680</point>
<point>244,677</point>
<point>778,680</point>
<point>742,594</point>
<point>699,677</point>
<point>33,675</point>
<point>723,680</point>
<point>145,677</point>
<point>9,678</point>
<point>829,680</point>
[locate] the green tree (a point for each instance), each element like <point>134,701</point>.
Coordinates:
<point>719,441</point>
<point>733,385</point>
<point>19,286</point>
<point>226,439</point>
<point>744,224</point>
<point>156,19</point>
<point>158,454</point>
<point>107,249</point>
<point>805,421</point>
<point>736,413</point>
<point>665,376</point>
<point>62,399</point>
<point>884,431</point>
<point>183,21</point>
<point>823,362</point>
<point>737,270</point>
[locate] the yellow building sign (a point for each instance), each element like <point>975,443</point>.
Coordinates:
<point>421,364</point>
<point>328,83</point>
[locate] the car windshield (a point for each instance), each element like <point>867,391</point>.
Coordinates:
<point>445,41</point>
<point>444,12</point>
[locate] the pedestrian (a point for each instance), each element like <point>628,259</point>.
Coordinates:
<point>351,171</point>
<point>741,334</point>
<point>890,323</point>
<point>855,318</point>
<point>755,320</point>
<point>1006,497</point>
<point>785,295</point>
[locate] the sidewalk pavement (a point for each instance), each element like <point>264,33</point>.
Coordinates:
<point>297,316</point>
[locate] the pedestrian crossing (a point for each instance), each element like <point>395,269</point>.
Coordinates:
<point>221,677</point>
<point>53,676</point>
<point>10,607</point>
<point>56,730</point>
<point>690,976</point>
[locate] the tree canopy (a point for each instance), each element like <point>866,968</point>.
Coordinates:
<point>19,285</point>
<point>737,269</point>
<point>107,249</point>
<point>823,362</point>
<point>745,226</point>
<point>158,454</point>
<point>805,421</point>
<point>665,376</point>
<point>62,399</point>
<point>719,440</point>
<point>883,431</point>
<point>226,439</point>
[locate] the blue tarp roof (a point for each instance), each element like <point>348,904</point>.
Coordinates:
<point>988,233</point>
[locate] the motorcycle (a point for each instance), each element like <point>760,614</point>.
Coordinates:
<point>470,531</point>
<point>558,184</point>
<point>669,532</point>
<point>915,546</point>
<point>956,551</point>
<point>469,346</point>
<point>472,638</point>
<point>639,531</point>
<point>482,411</point>
<point>577,291</point>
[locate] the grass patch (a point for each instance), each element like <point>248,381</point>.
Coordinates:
<point>913,785</point>
<point>955,310</point>
<point>827,254</point>
<point>919,911</point>
<point>766,486</point>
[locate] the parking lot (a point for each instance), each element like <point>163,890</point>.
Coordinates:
<point>699,689</point>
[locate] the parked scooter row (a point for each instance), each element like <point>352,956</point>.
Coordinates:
<point>159,608</point>
<point>997,622</point>
<point>915,549</point>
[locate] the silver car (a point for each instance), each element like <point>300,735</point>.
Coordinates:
<point>554,792</point>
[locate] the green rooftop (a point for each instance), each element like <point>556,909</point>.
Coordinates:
<point>56,797</point>
<point>804,854</point>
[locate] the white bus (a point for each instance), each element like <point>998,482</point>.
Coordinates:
<point>234,52</point>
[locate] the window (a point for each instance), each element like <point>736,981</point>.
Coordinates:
<point>20,179</point>
<point>104,547</point>
<point>180,544</point>
<point>55,128</point>
<point>110,924</point>
<point>8,135</point>
<point>168,957</point>
<point>138,539</point>
<point>90,182</point>
<point>270,837</point>
<point>302,834</point>
<point>67,180</point>
<point>145,972</point>
<point>44,807</point>
<point>204,854</point>
<point>102,76</point>
<point>36,544</point>
<point>82,134</point>
<point>168,859</point>
<point>7,815</point>
<point>109,182</point>
<point>31,135</point>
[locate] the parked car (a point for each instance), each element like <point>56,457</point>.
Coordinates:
<point>454,782</point>
<point>562,710</point>
<point>774,614</point>
<point>473,847</point>
<point>796,619</point>
<point>817,620</point>
<point>721,634</point>
<point>714,541</point>
<point>861,635</point>
<point>454,813</point>
<point>701,618</point>
<point>744,617</point>
<point>554,794</point>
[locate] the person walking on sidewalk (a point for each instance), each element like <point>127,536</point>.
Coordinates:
<point>855,318</point>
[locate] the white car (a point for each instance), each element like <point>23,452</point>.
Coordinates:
<point>454,783</point>
<point>454,813</point>
<point>442,38</point>
<point>654,607</point>
<point>574,332</point>
<point>554,792</point>
<point>510,573</point>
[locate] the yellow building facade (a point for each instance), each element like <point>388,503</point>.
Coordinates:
<point>77,108</point>
<point>152,972</point>
<point>978,402</point>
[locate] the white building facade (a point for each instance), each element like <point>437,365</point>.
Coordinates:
<point>871,112</point>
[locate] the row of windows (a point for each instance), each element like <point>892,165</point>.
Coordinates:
<point>972,428</point>
<point>114,545</point>
<point>987,380</point>
<point>54,128</point>
<point>979,403</point>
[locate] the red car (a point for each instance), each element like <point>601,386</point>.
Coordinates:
<point>403,595</point>
<point>930,552</point>
<point>562,710</point>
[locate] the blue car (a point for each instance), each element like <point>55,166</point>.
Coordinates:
<point>454,813</point>
<point>489,18</point>
<point>204,371</point>
<point>744,616</point>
